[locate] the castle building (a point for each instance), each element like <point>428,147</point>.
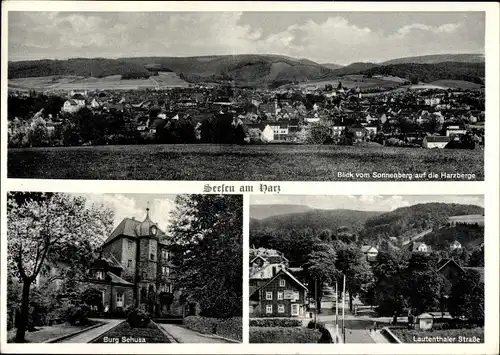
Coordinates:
<point>135,269</point>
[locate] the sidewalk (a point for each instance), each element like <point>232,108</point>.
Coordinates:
<point>378,337</point>
<point>86,337</point>
<point>183,335</point>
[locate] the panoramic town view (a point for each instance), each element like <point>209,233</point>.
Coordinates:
<point>287,96</point>
<point>366,269</point>
<point>124,268</point>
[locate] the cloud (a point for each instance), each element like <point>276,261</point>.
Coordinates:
<point>334,39</point>
<point>125,206</point>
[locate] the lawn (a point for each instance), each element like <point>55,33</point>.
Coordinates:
<point>123,333</point>
<point>45,333</point>
<point>242,163</point>
<point>475,335</point>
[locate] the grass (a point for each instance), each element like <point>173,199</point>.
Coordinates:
<point>239,163</point>
<point>283,335</point>
<point>408,336</point>
<point>48,332</point>
<point>123,331</point>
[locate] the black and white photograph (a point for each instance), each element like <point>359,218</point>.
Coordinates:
<point>124,268</point>
<point>246,95</point>
<point>367,269</point>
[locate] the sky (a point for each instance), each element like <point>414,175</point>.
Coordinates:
<point>134,205</point>
<point>363,202</point>
<point>325,37</point>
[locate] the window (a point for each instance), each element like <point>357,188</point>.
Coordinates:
<point>280,295</point>
<point>130,244</point>
<point>281,308</point>
<point>151,256</point>
<point>164,254</point>
<point>165,270</point>
<point>99,275</point>
<point>269,308</point>
<point>129,263</point>
<point>282,282</point>
<point>119,299</point>
<point>269,295</point>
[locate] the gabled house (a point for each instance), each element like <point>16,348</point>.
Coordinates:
<point>455,245</point>
<point>72,106</point>
<point>281,296</point>
<point>435,142</point>
<point>420,247</point>
<point>370,252</point>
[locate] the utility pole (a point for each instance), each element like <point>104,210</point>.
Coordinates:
<point>316,302</point>
<point>343,310</point>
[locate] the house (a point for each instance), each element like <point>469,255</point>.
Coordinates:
<point>370,252</point>
<point>424,321</point>
<point>281,296</point>
<point>95,103</point>
<point>135,269</point>
<point>455,131</point>
<point>337,130</point>
<point>435,142</point>
<point>455,245</point>
<point>72,106</point>
<point>359,133</point>
<point>420,247</point>
<point>451,271</point>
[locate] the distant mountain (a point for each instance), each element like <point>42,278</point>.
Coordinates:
<point>316,219</point>
<point>473,72</point>
<point>266,211</point>
<point>406,221</point>
<point>438,58</point>
<point>245,69</point>
<point>332,66</point>
<point>354,68</point>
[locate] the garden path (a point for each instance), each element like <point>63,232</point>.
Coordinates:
<point>87,336</point>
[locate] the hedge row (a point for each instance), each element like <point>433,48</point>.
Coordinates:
<point>275,322</point>
<point>283,335</point>
<point>231,328</point>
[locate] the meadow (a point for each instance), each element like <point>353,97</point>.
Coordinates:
<point>240,163</point>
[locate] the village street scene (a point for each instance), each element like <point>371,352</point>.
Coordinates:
<point>366,269</point>
<point>124,268</point>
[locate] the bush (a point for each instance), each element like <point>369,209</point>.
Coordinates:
<point>275,322</point>
<point>231,328</point>
<point>137,318</point>
<point>326,337</point>
<point>78,315</point>
<point>201,324</point>
<point>283,335</point>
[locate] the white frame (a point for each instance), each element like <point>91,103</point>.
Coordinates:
<point>269,295</point>
<point>281,308</point>
<point>269,308</point>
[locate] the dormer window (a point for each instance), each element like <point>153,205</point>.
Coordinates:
<point>164,254</point>
<point>99,275</point>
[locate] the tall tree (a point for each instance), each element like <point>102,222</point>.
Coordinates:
<point>208,232</point>
<point>353,264</point>
<point>467,297</point>
<point>41,228</point>
<point>320,269</point>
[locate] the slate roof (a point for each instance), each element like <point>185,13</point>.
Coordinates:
<point>117,279</point>
<point>128,228</point>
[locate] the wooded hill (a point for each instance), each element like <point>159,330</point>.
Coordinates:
<point>316,219</point>
<point>249,69</point>
<point>416,218</point>
<point>427,73</point>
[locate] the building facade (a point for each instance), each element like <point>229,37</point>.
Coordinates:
<point>135,269</point>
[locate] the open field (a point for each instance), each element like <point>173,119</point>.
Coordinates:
<point>352,81</point>
<point>113,82</point>
<point>457,84</point>
<point>244,163</point>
